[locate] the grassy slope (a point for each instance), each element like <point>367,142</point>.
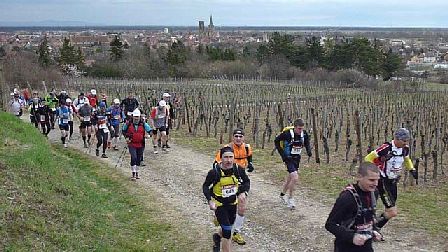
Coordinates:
<point>54,199</point>
<point>422,207</point>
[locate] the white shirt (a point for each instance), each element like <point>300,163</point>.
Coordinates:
<point>14,106</point>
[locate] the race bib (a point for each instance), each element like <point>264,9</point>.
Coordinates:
<point>129,113</point>
<point>117,117</point>
<point>42,118</point>
<point>102,126</point>
<point>160,116</point>
<point>105,130</point>
<point>86,119</point>
<point>228,190</point>
<point>394,167</point>
<point>53,109</point>
<point>365,229</point>
<point>64,121</point>
<point>296,151</point>
<point>393,173</point>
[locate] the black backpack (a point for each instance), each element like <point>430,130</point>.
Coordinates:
<point>349,223</point>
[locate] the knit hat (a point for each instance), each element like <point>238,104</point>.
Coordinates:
<point>402,134</point>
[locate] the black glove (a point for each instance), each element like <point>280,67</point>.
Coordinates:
<point>250,167</point>
<point>310,154</point>
<point>414,173</point>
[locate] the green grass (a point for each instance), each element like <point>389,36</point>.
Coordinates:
<point>419,206</point>
<point>55,199</point>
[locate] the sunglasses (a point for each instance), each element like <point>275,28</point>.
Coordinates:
<point>238,136</point>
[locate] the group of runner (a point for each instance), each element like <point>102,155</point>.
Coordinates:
<point>353,219</point>
<point>106,123</point>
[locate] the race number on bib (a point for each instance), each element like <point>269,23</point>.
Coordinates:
<point>228,190</point>
<point>86,119</point>
<point>129,113</point>
<point>64,121</point>
<point>42,118</point>
<point>296,150</point>
<point>117,117</point>
<point>393,172</point>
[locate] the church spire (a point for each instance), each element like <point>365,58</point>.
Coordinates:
<point>211,22</point>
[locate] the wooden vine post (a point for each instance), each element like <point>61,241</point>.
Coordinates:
<point>316,139</point>
<point>358,136</point>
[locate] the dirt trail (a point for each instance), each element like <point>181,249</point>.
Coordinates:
<point>177,178</point>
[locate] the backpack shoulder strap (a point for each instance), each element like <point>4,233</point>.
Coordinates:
<point>236,171</point>
<point>217,170</point>
<point>247,146</point>
<point>355,195</point>
<point>373,199</point>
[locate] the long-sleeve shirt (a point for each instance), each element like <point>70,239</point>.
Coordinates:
<point>286,137</point>
<point>145,126</point>
<point>390,159</point>
<point>344,210</point>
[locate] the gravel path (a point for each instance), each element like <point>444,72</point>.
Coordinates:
<point>177,178</point>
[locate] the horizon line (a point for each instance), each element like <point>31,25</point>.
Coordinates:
<point>220,26</point>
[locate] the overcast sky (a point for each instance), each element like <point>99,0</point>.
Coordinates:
<point>378,13</point>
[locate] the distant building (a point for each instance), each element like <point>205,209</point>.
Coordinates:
<point>397,42</point>
<point>201,27</point>
<point>441,66</point>
<point>166,30</point>
<point>211,28</point>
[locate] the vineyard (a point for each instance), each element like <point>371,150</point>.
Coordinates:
<point>345,123</point>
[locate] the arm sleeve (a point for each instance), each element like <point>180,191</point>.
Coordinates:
<point>307,144</point>
<point>124,129</point>
<point>245,184</point>
<point>408,163</point>
<point>207,184</point>
<point>342,210</point>
<point>249,154</point>
<point>278,139</point>
<point>147,127</point>
<point>371,157</point>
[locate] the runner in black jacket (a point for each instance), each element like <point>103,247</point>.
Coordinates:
<point>352,218</point>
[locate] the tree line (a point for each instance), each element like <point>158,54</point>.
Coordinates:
<point>272,59</point>
<point>280,58</point>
